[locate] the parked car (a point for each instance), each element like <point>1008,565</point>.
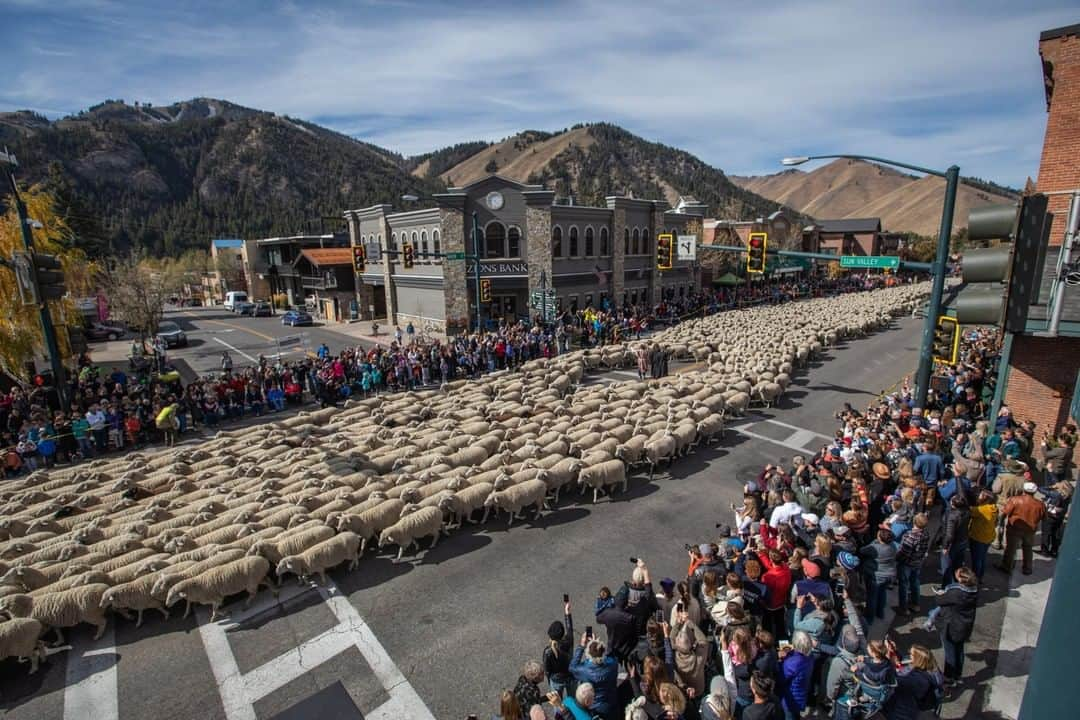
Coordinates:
<point>244,307</point>
<point>263,309</point>
<point>296,317</point>
<point>101,331</point>
<point>171,333</point>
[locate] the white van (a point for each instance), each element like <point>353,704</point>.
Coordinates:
<point>233,297</point>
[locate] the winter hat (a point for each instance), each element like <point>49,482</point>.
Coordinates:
<point>810,518</point>
<point>556,631</point>
<point>840,530</point>
<point>668,584</point>
<point>847,560</point>
<point>1031,488</point>
<point>724,531</point>
<point>706,549</point>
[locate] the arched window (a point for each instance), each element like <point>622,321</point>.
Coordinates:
<point>646,243</point>
<point>556,242</point>
<point>573,242</point>
<point>513,242</point>
<point>626,241</point>
<point>494,240</point>
<point>604,249</point>
<point>415,244</point>
<point>393,242</point>
<point>424,247</point>
<point>635,246</point>
<point>589,247</point>
<point>436,244</point>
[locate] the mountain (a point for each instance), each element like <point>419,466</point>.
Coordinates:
<point>168,178</point>
<point>854,188</point>
<point>593,161</point>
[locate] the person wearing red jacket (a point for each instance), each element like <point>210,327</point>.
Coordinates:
<point>777,581</point>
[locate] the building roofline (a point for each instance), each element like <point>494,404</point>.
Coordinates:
<point>370,211</point>
<point>409,214</point>
<point>510,181</point>
<point>1059,32</point>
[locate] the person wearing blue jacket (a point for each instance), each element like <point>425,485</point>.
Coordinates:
<point>796,670</point>
<point>592,665</point>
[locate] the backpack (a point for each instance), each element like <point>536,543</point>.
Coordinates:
<point>935,696</point>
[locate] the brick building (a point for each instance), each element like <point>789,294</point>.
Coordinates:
<point>1041,370</point>
<point>589,256</point>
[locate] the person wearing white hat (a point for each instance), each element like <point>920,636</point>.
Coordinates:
<point>1023,515</point>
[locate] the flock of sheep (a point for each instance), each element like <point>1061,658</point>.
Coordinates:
<point>312,492</point>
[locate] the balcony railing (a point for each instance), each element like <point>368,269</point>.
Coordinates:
<point>319,282</point>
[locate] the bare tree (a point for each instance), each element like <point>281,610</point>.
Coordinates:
<point>137,292</point>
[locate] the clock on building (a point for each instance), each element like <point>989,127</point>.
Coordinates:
<point>494,200</point>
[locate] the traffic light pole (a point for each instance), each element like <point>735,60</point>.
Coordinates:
<point>43,305</point>
<point>476,267</point>
<point>926,361</point>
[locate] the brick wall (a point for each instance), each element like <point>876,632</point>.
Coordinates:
<point>1040,369</point>
<point>1059,168</point>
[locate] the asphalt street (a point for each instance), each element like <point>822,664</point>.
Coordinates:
<point>453,626</point>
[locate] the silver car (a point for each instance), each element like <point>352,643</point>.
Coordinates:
<point>171,334</point>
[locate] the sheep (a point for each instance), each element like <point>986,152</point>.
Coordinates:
<point>62,609</point>
<point>134,595</point>
<point>21,638</point>
<point>322,556</point>
<point>373,521</point>
<point>603,475</point>
<point>465,499</point>
<point>213,586</point>
<point>415,523</point>
<point>292,542</point>
<point>658,449</point>
<point>517,497</point>
<point>176,574</point>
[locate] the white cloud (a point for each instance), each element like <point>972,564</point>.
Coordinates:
<point>737,83</point>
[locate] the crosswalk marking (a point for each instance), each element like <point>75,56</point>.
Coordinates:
<point>797,440</point>
<point>90,689</point>
<point>240,691</point>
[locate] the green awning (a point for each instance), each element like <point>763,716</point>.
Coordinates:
<point>727,280</point>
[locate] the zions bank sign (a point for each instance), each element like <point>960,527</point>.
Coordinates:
<point>502,269</point>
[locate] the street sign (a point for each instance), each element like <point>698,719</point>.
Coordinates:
<point>876,262</point>
<point>454,256</point>
<point>687,247</point>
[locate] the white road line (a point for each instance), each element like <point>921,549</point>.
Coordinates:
<point>784,443</point>
<point>802,438</point>
<point>230,682</point>
<point>240,691</point>
<point>90,688</point>
<point>796,427</point>
<point>235,350</point>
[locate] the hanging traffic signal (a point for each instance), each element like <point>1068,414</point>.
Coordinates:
<point>48,276</point>
<point>358,258</point>
<point>664,249</point>
<point>407,255</point>
<point>755,252</point>
<point>1001,281</point>
<point>485,291</point>
<point>946,340</point>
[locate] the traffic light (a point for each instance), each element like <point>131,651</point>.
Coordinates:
<point>946,340</point>
<point>358,258</point>
<point>664,249</point>
<point>1001,281</point>
<point>48,276</point>
<point>485,291</point>
<point>755,252</point>
<point>407,255</point>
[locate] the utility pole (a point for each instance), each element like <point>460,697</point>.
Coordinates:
<point>43,305</point>
<point>476,268</point>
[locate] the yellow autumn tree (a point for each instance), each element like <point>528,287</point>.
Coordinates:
<point>21,337</point>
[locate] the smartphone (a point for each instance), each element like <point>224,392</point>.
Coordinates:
<point>588,631</point>
<point>565,598</point>
<point>679,607</point>
<point>471,717</point>
<point>633,560</point>
<point>659,615</point>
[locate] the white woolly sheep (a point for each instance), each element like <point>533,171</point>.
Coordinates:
<point>213,586</point>
<point>415,523</point>
<point>516,498</point>
<point>21,638</point>
<point>319,558</point>
<point>602,476</point>
<point>62,609</point>
<point>135,595</point>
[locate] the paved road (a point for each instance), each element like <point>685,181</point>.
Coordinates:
<point>450,629</point>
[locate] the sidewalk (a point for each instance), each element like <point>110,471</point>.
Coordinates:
<point>361,330</point>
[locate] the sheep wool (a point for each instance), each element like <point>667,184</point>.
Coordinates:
<point>21,638</point>
<point>213,586</point>
<point>57,610</point>
<point>319,558</point>
<point>416,523</point>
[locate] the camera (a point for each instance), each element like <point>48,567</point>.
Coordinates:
<point>588,631</point>
<point>688,547</point>
<point>633,560</point>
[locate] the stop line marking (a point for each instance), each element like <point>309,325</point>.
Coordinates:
<point>90,688</point>
<point>240,691</point>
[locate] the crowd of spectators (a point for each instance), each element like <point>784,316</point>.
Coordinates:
<point>783,615</point>
<point>116,409</point>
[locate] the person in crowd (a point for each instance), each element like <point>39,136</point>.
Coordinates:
<point>912,553</point>
<point>1023,514</point>
<point>955,617</point>
<point>509,707</point>
<point>918,684</point>
<point>1057,498</point>
<point>592,666</point>
<point>982,530</point>
<point>559,652</point>
<point>797,667</point>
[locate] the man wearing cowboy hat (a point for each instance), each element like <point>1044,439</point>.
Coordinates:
<point>1023,514</point>
<point>1007,485</point>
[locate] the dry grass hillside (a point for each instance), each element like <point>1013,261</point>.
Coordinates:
<point>516,157</point>
<point>852,188</point>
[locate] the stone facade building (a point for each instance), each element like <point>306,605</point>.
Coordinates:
<point>589,256</point>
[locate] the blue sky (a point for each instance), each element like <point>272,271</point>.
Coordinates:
<point>740,84</point>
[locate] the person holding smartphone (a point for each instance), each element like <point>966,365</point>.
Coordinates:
<point>593,666</point>
<point>559,651</point>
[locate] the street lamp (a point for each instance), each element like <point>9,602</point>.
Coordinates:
<point>952,179</point>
